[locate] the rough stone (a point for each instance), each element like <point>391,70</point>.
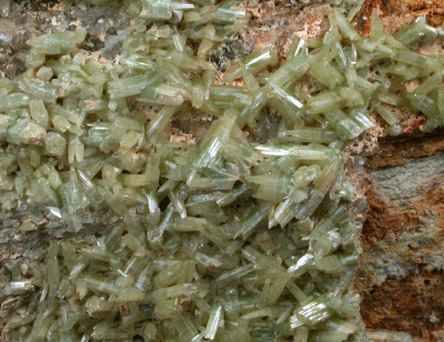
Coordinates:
<point>400,277</point>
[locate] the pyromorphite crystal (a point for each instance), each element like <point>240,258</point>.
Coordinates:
<point>211,235</point>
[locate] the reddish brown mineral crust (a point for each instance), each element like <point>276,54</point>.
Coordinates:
<point>397,151</point>
<point>412,303</point>
<point>397,13</point>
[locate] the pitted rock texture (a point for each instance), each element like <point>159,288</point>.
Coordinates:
<point>401,277</point>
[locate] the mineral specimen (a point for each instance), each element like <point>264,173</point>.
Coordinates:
<point>216,236</point>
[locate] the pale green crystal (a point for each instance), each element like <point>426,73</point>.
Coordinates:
<point>226,206</point>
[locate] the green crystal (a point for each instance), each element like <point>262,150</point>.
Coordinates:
<point>192,208</point>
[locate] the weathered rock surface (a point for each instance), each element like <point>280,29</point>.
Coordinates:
<point>401,273</point>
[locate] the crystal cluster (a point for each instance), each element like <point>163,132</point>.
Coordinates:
<point>221,236</point>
